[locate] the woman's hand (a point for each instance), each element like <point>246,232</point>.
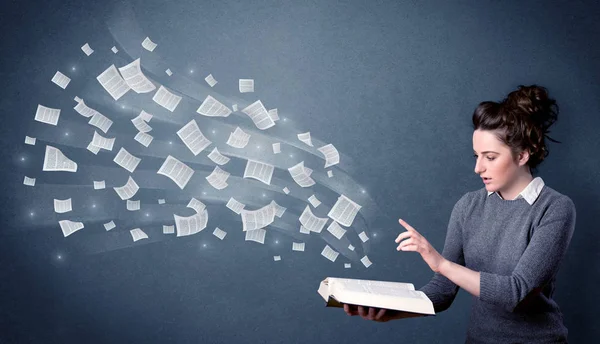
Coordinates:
<point>416,242</point>
<point>377,314</point>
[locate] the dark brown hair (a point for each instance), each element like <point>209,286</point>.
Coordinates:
<point>521,121</point>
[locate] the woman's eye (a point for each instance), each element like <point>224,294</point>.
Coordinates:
<point>491,159</point>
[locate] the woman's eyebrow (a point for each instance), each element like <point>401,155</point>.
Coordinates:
<point>486,152</point>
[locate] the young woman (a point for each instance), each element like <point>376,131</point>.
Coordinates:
<point>505,242</point>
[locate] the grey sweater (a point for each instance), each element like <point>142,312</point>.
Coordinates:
<point>518,248</point>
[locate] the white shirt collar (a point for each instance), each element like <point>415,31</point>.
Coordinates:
<point>530,193</point>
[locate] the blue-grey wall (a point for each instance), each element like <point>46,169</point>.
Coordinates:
<point>392,84</point>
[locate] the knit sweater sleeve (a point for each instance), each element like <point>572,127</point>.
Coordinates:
<point>540,260</point>
<point>440,290</point>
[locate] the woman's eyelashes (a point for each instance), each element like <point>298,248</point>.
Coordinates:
<point>489,158</point>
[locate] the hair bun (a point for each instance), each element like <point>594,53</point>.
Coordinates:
<point>533,101</point>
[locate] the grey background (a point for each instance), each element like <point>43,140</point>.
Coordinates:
<point>392,84</point>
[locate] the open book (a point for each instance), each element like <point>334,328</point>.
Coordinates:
<point>380,294</point>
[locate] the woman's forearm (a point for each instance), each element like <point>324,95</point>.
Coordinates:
<point>461,276</point>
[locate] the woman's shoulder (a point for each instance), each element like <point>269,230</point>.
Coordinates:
<point>549,196</point>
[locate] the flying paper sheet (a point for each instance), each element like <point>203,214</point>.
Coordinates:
<point>84,110</point>
<point>126,160</point>
<point>259,171</point>
<point>128,190</point>
<point>260,218</point>
<point>103,142</point>
<point>279,210</point>
<point>47,115</point>
<point>87,49</point>
<point>347,265</point>
<point>304,230</point>
<point>177,171</point>
<point>61,80</point>
<point>329,253</point>
<point>238,139</point>
<point>276,148</point>
<point>363,236</point>
<point>344,211</point>
<point>101,122</point>
<point>148,44</point>
<point>336,230</point>
<point>218,158</point>
<point>332,157</point>
<point>256,235</point>
<point>273,114</point>
<point>113,83</point>
<point>138,234</point>
<point>99,185</point>
<point>166,99</point>
<point>276,258</point>
<point>366,262</point>
<point>191,224</point>
<point>310,221</point>
<point>30,140</point>
<point>109,225</point>
<point>218,178</point>
<point>69,227</point>
<point>219,233</point>
<point>114,49</point>
<point>168,229</point>
<point>196,205</point>
<point>29,181</point>
<point>298,246</point>
<point>62,206</point>
<point>135,78</point>
<point>140,123</point>
<point>193,138</point>
<point>300,175</point>
<point>210,80</point>
<point>213,108</point>
<point>55,160</point>
<point>168,71</point>
<point>143,138</point>
<point>246,85</point>
<point>305,137</point>
<point>235,206</point>
<point>133,205</point>
<point>259,115</point>
<point>314,201</point>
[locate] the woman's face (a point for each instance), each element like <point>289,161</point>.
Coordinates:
<point>494,161</point>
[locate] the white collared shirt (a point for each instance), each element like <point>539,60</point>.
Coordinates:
<point>530,193</point>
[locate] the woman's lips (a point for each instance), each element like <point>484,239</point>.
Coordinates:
<point>487,181</point>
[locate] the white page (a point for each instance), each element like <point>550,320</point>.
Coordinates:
<point>177,171</point>
<point>276,148</point>
<point>128,190</point>
<point>148,44</point>
<point>260,218</point>
<point>69,227</point>
<point>166,98</point>
<point>210,80</point>
<point>304,230</point>
<point>113,83</point>
<point>168,229</point>
<point>93,148</point>
<point>161,201</point>
<point>329,173</point>
<point>259,115</point>
<point>145,116</point>
<point>168,71</point>
<point>55,160</point>
<point>213,108</point>
<point>138,234</point>
<point>347,265</point>
<point>140,124</point>
<point>336,230</point>
<point>219,233</point>
<point>114,49</point>
<point>61,80</point>
<point>30,140</point>
<point>298,173</point>
<point>238,139</point>
<point>273,114</point>
<point>126,160</point>
<point>305,137</point>
<point>366,262</point>
<point>286,190</point>
<point>329,253</point>
<point>332,157</point>
<point>77,99</point>
<point>256,235</point>
<point>351,248</point>
<point>235,206</point>
<point>84,110</point>
<point>87,49</point>
<point>110,225</point>
<point>218,158</point>
<point>103,142</point>
<point>62,205</point>
<point>193,138</point>
<point>276,258</point>
<point>234,107</point>
<point>196,205</point>
<point>99,185</point>
<point>344,211</point>
<point>29,181</point>
<point>101,122</point>
<point>47,115</point>
<point>143,138</point>
<point>133,205</point>
<point>135,78</point>
<point>259,171</point>
<point>298,246</point>
<point>218,178</point>
<point>311,222</point>
<point>314,201</point>
<point>279,210</point>
<point>363,236</point>
<point>246,85</point>
<point>190,225</point>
